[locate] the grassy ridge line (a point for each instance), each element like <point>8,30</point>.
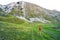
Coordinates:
<point>11,19</point>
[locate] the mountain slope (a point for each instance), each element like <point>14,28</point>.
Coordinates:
<point>31,12</point>
<point>27,31</point>
<point>27,21</point>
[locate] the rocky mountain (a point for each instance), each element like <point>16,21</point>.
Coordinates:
<point>30,12</point>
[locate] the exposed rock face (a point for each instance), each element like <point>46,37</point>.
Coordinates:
<point>31,12</point>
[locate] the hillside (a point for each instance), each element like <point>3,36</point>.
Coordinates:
<point>27,21</point>
<point>31,12</point>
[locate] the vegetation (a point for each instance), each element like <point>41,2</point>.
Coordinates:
<point>12,28</point>
<point>27,31</point>
<point>11,19</point>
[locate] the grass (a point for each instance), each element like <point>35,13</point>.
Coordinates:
<point>11,19</point>
<point>12,28</point>
<point>27,31</point>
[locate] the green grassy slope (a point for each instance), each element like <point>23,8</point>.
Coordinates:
<point>27,31</point>
<point>11,19</point>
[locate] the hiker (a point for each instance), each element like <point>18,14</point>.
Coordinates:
<point>40,30</point>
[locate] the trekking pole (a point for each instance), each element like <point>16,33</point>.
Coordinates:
<point>32,35</point>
